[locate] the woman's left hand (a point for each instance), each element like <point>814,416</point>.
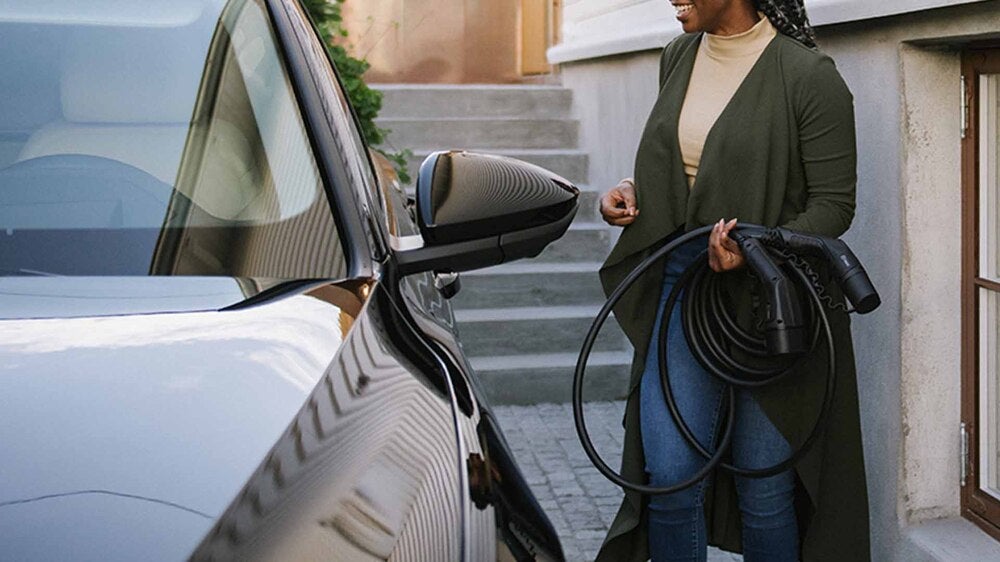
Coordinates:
<point>723,252</point>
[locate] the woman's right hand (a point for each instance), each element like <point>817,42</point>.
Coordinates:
<point>618,204</point>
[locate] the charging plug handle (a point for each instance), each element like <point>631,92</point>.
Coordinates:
<point>785,327</point>
<point>847,270</point>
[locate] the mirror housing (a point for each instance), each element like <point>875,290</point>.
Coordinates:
<point>477,210</point>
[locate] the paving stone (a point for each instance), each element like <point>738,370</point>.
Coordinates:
<point>585,535</point>
<point>568,491</point>
<point>613,501</point>
<point>560,476</point>
<point>586,522</point>
<point>579,501</point>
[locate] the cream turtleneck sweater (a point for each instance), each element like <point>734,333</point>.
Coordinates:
<point>719,68</point>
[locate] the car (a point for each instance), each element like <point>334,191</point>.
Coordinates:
<point>224,326</point>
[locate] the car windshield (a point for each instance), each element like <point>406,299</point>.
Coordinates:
<point>155,138</point>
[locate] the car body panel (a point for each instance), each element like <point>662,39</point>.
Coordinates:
<point>96,526</point>
<point>367,470</point>
<point>177,409</point>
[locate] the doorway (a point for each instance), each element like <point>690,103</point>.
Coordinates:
<point>539,25</point>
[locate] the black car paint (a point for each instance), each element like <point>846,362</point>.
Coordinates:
<point>416,326</point>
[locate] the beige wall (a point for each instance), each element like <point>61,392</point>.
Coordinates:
<point>436,41</point>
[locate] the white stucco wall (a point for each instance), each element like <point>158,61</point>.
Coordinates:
<point>612,98</point>
<point>930,323</point>
<point>904,73</point>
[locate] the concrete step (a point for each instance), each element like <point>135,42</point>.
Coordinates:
<point>583,242</point>
<point>480,134</point>
<point>475,100</point>
<point>590,205</point>
<point>540,378</point>
<point>528,330</point>
<point>568,163</point>
<point>528,283</point>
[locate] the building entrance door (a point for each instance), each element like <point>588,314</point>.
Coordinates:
<point>452,41</point>
<point>538,25</point>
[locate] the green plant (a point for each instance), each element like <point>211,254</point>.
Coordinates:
<point>366,101</point>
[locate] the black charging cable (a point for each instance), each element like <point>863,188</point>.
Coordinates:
<point>791,334</point>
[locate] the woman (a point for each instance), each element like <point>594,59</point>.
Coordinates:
<point>751,122</point>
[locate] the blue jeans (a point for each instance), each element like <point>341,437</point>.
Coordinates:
<point>677,521</point>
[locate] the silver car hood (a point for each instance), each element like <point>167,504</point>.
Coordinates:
<point>125,437</point>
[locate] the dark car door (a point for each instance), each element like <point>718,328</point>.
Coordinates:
<point>499,516</point>
<point>503,519</point>
<point>370,467</point>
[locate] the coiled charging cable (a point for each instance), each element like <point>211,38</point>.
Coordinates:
<point>713,335</point>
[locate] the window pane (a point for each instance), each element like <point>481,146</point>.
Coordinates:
<point>249,152</point>
<point>989,391</point>
<point>168,143</point>
<point>989,180</point>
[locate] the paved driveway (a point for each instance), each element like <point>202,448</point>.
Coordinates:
<point>579,500</point>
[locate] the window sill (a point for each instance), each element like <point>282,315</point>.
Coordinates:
<point>947,540</point>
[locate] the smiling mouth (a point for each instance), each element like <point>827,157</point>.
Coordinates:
<point>683,9</point>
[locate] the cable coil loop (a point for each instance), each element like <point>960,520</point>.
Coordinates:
<point>735,356</point>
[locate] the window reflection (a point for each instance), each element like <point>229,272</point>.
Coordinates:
<point>989,395</point>
<point>989,180</point>
<point>989,268</point>
<point>149,149</point>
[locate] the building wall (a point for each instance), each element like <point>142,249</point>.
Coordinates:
<point>596,28</point>
<point>904,73</point>
<point>436,41</point>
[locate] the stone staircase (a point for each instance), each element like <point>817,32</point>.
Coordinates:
<point>522,323</point>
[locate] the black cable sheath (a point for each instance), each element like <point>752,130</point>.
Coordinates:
<point>675,413</point>
<point>710,329</point>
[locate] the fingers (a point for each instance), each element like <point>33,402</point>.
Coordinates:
<point>609,211</point>
<point>728,227</point>
<point>628,196</point>
<point>616,216</point>
<point>623,221</point>
<point>734,258</point>
<point>724,253</point>
<point>614,195</point>
<point>728,243</point>
<point>714,249</point>
<point>618,205</point>
<point>623,196</point>
<point>613,212</point>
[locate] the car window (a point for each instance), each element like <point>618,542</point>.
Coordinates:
<point>354,152</point>
<point>171,145</point>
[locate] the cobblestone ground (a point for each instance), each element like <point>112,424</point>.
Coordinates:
<point>579,501</point>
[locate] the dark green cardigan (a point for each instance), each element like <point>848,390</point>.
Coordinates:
<point>781,153</point>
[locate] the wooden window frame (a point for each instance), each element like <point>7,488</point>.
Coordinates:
<point>976,505</point>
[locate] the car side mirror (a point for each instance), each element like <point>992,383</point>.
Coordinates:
<point>478,210</point>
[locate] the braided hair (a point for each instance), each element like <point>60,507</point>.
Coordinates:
<point>789,17</point>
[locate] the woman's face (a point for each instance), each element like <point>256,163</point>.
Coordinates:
<point>710,16</point>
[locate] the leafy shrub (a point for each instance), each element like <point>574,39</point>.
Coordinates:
<point>366,101</point>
